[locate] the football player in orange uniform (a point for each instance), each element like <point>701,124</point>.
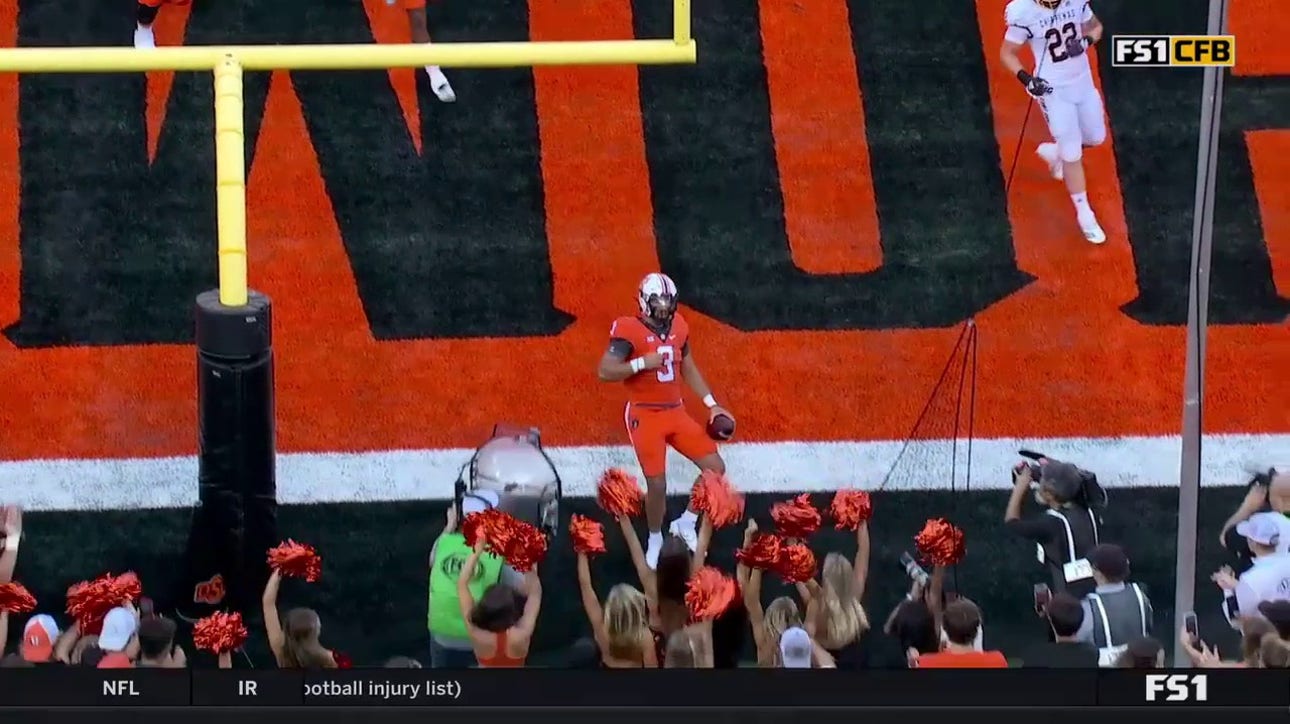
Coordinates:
<point>650,354</point>
<point>145,15</point>
<point>417,22</point>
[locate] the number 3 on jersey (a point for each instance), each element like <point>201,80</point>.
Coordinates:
<point>667,372</point>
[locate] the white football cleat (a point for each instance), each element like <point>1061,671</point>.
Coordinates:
<point>1048,152</point>
<point>684,528</point>
<point>652,553</point>
<point>143,38</point>
<point>1092,231</point>
<point>440,85</point>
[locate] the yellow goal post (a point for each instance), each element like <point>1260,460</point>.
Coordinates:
<point>228,62</point>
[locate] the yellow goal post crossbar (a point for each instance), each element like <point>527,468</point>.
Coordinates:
<point>228,62</point>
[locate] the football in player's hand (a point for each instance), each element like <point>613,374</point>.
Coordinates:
<point>721,428</point>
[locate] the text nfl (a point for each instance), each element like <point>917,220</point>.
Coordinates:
<point>1177,687</point>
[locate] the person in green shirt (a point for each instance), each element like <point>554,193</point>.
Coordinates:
<point>450,646</point>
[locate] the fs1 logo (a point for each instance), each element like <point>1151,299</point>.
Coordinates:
<point>1177,687</point>
<point>1173,51</point>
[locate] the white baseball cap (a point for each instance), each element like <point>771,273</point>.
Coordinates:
<point>796,649</point>
<point>119,626</point>
<point>1262,528</point>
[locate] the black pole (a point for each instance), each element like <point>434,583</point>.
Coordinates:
<point>235,522</point>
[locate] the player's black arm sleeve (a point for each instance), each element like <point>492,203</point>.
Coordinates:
<point>614,365</point>
<point>685,349</point>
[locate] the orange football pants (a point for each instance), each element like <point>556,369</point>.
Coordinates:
<point>653,429</point>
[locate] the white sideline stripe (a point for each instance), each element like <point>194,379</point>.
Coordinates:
<point>403,475</point>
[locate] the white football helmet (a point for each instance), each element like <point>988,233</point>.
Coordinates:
<point>657,297</point>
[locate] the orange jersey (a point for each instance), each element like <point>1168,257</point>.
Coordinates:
<point>630,338</point>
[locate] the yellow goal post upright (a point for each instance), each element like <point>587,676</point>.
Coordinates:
<point>228,62</point>
<point>235,520</point>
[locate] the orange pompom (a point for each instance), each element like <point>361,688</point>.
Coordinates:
<point>762,552</point>
<point>588,535</point>
<point>850,508</point>
<point>796,563</point>
<point>15,598</point>
<point>708,594</point>
<point>796,518</point>
<point>715,497</point>
<point>521,544</point>
<point>296,560</point>
<point>619,493</point>
<point>941,543</point>
<point>220,633</point>
<point>89,601</point>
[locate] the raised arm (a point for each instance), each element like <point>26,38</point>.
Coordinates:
<point>701,547</point>
<point>269,607</point>
<point>591,604</point>
<point>643,571</point>
<point>936,596</point>
<point>464,599</point>
<point>861,564</point>
<point>532,606</point>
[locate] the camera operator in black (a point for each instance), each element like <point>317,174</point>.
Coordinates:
<point>1067,530</point>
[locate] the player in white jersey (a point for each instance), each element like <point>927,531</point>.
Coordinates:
<point>1058,33</point>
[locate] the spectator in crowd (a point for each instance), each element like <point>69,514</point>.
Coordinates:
<point>1065,531</point>
<point>1143,652</point>
<point>1065,614</point>
<point>834,611</point>
<point>1269,491</point>
<point>690,648</point>
<point>961,623</point>
<point>39,635</point>
<point>915,622</point>
<point>157,649</point>
<point>295,643</point>
<point>1268,578</point>
<point>665,584</point>
<point>450,646</point>
<point>402,662</point>
<point>621,627</point>
<point>501,623</point>
<point>1117,611</point>
<point>797,650</point>
<point>1277,613</point>
<point>119,640</point>
<point>1274,653</point>
<point>1254,630</point>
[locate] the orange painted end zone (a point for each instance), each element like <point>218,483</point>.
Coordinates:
<point>1058,358</point>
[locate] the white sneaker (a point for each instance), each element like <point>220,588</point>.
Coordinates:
<point>1092,231</point>
<point>651,554</point>
<point>440,85</point>
<point>1048,152</point>
<point>685,529</point>
<point>143,38</point>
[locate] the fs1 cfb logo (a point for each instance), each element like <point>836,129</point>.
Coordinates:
<point>1173,51</point>
<point>1177,687</point>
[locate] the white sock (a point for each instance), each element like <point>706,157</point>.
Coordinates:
<point>433,70</point>
<point>688,518</point>
<point>656,539</point>
<point>1081,203</point>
